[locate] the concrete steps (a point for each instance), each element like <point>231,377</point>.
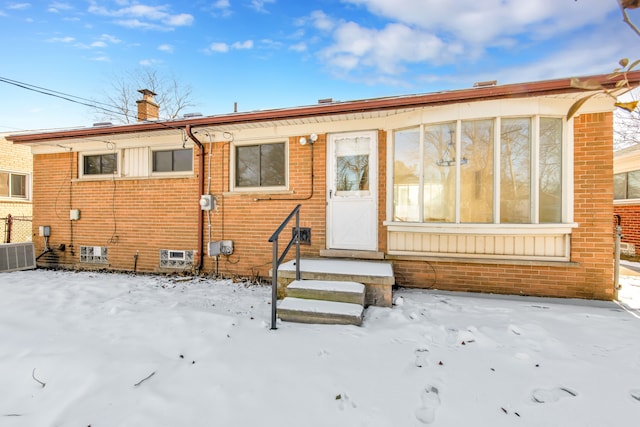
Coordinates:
<point>377,276</point>
<point>323,301</point>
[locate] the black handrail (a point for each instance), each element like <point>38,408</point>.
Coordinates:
<point>277,259</point>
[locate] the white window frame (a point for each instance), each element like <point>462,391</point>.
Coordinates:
<point>567,173</point>
<point>27,176</point>
<point>84,154</point>
<point>232,167</point>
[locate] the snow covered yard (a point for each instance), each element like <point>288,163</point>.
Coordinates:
<point>93,349</point>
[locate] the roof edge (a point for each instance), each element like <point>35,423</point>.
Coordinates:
<point>514,90</point>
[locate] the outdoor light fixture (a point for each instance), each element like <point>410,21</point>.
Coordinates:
<point>312,138</point>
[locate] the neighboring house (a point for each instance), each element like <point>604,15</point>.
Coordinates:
<point>16,167</point>
<point>626,203</point>
<point>487,189</point>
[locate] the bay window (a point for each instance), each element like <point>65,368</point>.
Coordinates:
<point>503,170</point>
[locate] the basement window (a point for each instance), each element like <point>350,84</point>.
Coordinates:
<point>176,259</point>
<point>94,254</point>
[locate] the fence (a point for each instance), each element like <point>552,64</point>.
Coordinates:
<point>14,229</point>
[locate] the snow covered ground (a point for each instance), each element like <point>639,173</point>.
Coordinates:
<point>94,349</point>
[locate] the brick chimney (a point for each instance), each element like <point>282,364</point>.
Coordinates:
<point>147,108</point>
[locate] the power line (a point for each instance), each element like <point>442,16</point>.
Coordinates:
<point>65,96</point>
<point>78,100</point>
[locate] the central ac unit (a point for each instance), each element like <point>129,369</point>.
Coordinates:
<point>17,256</point>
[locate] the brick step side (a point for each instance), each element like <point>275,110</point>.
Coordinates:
<point>338,291</point>
<point>316,311</point>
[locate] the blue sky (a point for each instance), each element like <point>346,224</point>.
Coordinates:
<point>274,53</point>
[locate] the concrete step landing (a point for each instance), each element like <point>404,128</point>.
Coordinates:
<point>338,291</point>
<point>318,311</point>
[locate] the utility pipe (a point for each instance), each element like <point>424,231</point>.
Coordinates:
<point>201,173</point>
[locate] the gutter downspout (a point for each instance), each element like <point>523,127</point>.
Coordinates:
<point>201,172</point>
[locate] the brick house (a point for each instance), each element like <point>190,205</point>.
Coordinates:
<point>487,189</point>
<point>626,169</point>
<point>16,166</point>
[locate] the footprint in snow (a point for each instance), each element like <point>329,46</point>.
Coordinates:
<point>635,394</point>
<point>430,397</point>
<point>541,395</point>
<point>421,357</point>
<point>345,401</point>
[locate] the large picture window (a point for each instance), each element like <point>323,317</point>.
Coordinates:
<point>13,185</point>
<point>261,165</point>
<point>462,172</point>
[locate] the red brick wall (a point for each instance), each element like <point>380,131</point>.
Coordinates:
<point>249,219</point>
<point>127,216</point>
<point>147,215</point>
<point>591,273</point>
<point>630,222</point>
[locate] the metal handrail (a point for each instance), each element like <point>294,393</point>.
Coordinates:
<point>277,259</point>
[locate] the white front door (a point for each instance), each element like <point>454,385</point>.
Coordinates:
<point>352,191</point>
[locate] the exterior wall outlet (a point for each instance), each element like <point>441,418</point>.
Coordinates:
<point>44,231</point>
<point>74,214</point>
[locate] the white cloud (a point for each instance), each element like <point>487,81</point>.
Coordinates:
<point>110,39</point>
<point>270,44</point>
<point>219,47</point>
<point>222,8</point>
<point>260,5</point>
<point>181,20</point>
<point>322,21</point>
<point>67,39</point>
<point>436,33</point>
<point>299,47</point>
<point>165,48</point>
<point>98,44</point>
<point>247,44</point>
<point>149,62</point>
<point>385,50</point>
<point>57,7</point>
<point>18,6</point>
<point>102,58</point>
<point>145,17</point>
<point>490,20</point>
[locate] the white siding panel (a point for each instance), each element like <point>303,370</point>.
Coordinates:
<point>518,245</point>
<point>136,162</point>
<point>539,246</point>
<point>509,246</point>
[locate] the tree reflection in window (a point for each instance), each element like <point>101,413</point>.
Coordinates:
<point>352,163</point>
<point>515,171</point>
<point>550,204</point>
<point>353,173</point>
<point>439,168</point>
<point>260,165</point>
